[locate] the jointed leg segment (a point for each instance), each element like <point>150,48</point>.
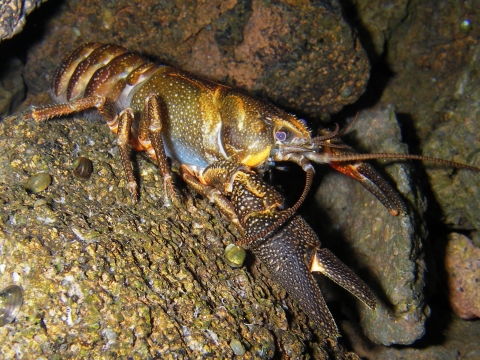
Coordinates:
<point>153,111</point>
<point>125,120</point>
<point>51,111</point>
<point>150,133</point>
<point>213,194</point>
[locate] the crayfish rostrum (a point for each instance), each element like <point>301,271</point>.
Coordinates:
<point>220,140</point>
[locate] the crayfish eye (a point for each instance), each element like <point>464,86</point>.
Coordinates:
<point>280,135</point>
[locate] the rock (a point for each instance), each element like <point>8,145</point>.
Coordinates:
<point>13,15</point>
<point>437,88</point>
<point>302,57</point>
<point>458,339</point>
<point>102,275</point>
<point>105,245</point>
<point>380,19</point>
<point>462,264</point>
<point>144,280</point>
<point>12,88</point>
<point>429,52</point>
<point>456,138</point>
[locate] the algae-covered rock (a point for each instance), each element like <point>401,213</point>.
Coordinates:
<point>105,278</point>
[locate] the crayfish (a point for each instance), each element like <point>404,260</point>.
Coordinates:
<point>221,139</point>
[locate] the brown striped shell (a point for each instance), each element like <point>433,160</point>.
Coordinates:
<point>98,69</point>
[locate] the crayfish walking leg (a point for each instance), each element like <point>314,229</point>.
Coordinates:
<point>149,136</point>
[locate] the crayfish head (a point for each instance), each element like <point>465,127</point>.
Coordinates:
<point>290,138</point>
<point>251,128</point>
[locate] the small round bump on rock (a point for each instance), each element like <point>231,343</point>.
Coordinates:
<point>38,182</point>
<point>82,168</point>
<point>39,202</point>
<point>235,255</point>
<point>11,299</point>
<point>346,92</point>
<point>237,347</point>
<point>465,26</point>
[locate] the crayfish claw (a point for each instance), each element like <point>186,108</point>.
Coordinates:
<point>325,262</point>
<point>284,256</point>
<point>288,247</point>
<point>369,178</point>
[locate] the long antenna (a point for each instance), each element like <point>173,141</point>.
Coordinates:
<point>354,157</point>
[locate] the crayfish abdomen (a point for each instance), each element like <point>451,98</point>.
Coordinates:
<point>125,80</point>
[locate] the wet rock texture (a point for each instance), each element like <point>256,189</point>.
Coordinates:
<point>13,15</point>
<point>443,101</point>
<point>380,18</point>
<point>462,263</point>
<point>12,88</point>
<point>435,90</point>
<point>459,340</point>
<point>105,278</point>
